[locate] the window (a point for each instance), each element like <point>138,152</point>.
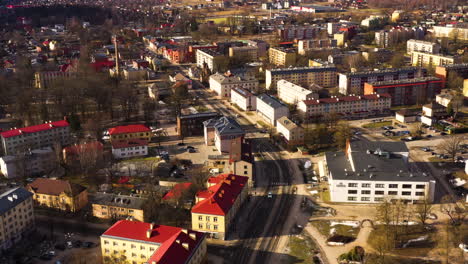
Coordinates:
<point>134,255</point>
<point>215,219</point>
<point>379,192</point>
<point>365,192</point>
<point>114,243</point>
<point>200,218</point>
<point>142,247</point>
<point>106,250</point>
<point>351,198</point>
<point>208,226</point>
<point>207,218</point>
<point>133,246</point>
<point>365,199</point>
<point>420,186</point>
<point>419,193</point>
<point>406,186</point>
<point>142,256</point>
<point>405,193</point>
<point>365,185</point>
<point>352,184</point>
<point>378,199</point>
<point>392,193</point>
<point>380,185</point>
<point>393,186</point>
<point>215,227</point>
<point>106,242</point>
<point>200,226</point>
<point>352,191</point>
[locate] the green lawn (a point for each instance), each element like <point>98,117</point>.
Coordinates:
<point>301,249</point>
<point>377,124</point>
<point>323,226</point>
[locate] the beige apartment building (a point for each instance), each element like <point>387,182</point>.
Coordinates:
<point>250,53</point>
<point>425,59</point>
<point>324,76</point>
<point>114,206</point>
<point>282,56</point>
<point>293,134</point>
<point>291,93</point>
<point>210,57</point>
<point>147,243</point>
<point>16,216</point>
<point>422,46</point>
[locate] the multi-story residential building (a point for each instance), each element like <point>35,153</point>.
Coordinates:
<point>224,133</point>
<point>44,80</point>
<point>293,134</point>
<point>371,172</point>
<point>58,194</point>
<point>216,207</point>
<point>192,124</point>
<point>348,106</point>
<point>244,99</point>
<point>290,93</point>
<point>353,82</point>
<point>428,59</point>
<point>16,216</point>
<point>222,84</point>
<point>388,38</point>
<point>445,97</point>
<point>374,21</point>
<point>458,31</point>
<point>140,132</point>
<point>271,109</point>
<point>340,38</point>
<point>192,50</point>
<point>210,57</point>
<point>407,91</point>
<point>20,140</point>
<point>282,56</point>
<point>32,163</point>
<point>445,71</point>
<point>262,46</point>
<point>299,32</point>
<point>130,148</point>
<point>141,243</point>
<point>422,46</point>
<point>249,53</point>
<point>433,112</point>
<point>324,76</point>
<point>307,45</point>
<point>115,206</point>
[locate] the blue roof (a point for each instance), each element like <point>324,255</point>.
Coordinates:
<point>12,198</point>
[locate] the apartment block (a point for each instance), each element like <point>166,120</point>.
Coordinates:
<point>407,91</point>
<point>292,134</point>
<point>299,32</point>
<point>44,80</point>
<point>192,124</point>
<point>282,56</point>
<point>445,71</point>
<point>244,99</point>
<point>262,46</point>
<point>426,59</point>
<point>20,140</point>
<point>116,207</point>
<point>217,206</point>
<point>422,46</point>
<point>222,84</point>
<point>307,45</point>
<point>29,164</point>
<point>290,93</point>
<point>16,216</point>
<point>209,57</point>
<point>324,76</point>
<point>139,132</point>
<point>130,148</point>
<point>148,243</point>
<point>353,82</point>
<point>224,133</point>
<point>347,106</point>
<point>459,31</point>
<point>249,53</point>
<point>271,109</point>
<point>371,172</point>
<point>58,194</point>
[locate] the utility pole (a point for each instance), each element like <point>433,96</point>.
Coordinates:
<point>117,62</point>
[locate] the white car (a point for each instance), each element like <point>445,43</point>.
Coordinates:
<point>270,195</point>
<point>463,247</point>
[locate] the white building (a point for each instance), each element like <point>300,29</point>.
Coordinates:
<point>32,163</point>
<point>369,172</point>
<point>222,84</point>
<point>224,133</point>
<point>292,134</point>
<point>129,148</point>
<point>432,112</point>
<point>324,76</point>
<point>244,99</point>
<point>210,57</point>
<point>305,45</point>
<point>422,46</point>
<point>271,109</point>
<point>451,31</point>
<point>291,93</point>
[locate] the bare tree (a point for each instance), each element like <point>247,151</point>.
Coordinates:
<point>455,210</point>
<point>451,145</point>
<point>422,211</point>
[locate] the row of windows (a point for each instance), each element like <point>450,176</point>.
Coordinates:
<point>208,226</point>
<point>382,185</point>
<point>133,246</point>
<point>208,218</point>
<point>383,192</point>
<point>365,199</point>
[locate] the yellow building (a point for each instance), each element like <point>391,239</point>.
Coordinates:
<point>58,194</point>
<point>340,38</point>
<point>217,205</point>
<point>250,53</point>
<point>16,216</point>
<point>130,132</point>
<point>140,243</point>
<point>113,206</point>
<point>282,56</point>
<point>425,59</point>
<point>465,88</point>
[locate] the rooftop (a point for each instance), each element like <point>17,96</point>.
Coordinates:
<point>128,129</point>
<point>243,92</point>
<point>129,143</point>
<point>12,198</point>
<point>383,71</point>
<point>415,81</point>
<point>270,100</point>
<point>210,52</point>
<point>287,123</point>
<point>34,129</point>
<point>224,126</point>
<point>55,187</point>
<point>116,200</point>
<point>199,115</point>
<point>349,98</point>
<point>292,70</point>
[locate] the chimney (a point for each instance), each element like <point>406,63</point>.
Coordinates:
<point>177,241</point>
<point>185,245</point>
<point>153,262</point>
<point>193,236</point>
<point>10,198</point>
<point>152,225</point>
<point>184,230</point>
<point>15,196</point>
<point>148,233</point>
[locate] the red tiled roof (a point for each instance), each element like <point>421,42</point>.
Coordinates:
<point>128,129</point>
<point>33,129</point>
<point>170,251</point>
<point>220,197</point>
<point>88,145</point>
<point>55,187</point>
<point>177,190</point>
<point>129,143</point>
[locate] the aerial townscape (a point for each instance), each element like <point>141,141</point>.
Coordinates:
<point>233,132</point>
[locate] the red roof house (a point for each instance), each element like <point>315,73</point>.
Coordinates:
<point>34,129</point>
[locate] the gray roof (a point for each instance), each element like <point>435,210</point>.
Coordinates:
<point>390,146</point>
<point>116,200</point>
<point>12,198</point>
<point>199,115</point>
<point>292,70</point>
<point>371,167</point>
<point>270,100</point>
<point>224,126</point>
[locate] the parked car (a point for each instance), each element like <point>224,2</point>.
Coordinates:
<point>270,195</point>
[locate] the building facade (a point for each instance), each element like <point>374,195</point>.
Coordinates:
<point>407,91</point>
<point>324,76</point>
<point>222,84</point>
<point>137,132</point>
<point>445,71</point>
<point>209,57</point>
<point>141,243</point>
<point>422,46</point>
<point>426,59</point>
<point>16,216</point>
<point>299,32</point>
<point>293,134</point>
<point>290,93</point>
<point>129,148</point>
<point>271,109</point>
<point>20,140</point>
<point>192,124</point>
<point>248,53</point>
<point>224,133</point>
<point>36,162</point>
<point>116,207</point>
<point>244,99</point>
<point>304,46</point>
<point>282,56</point>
